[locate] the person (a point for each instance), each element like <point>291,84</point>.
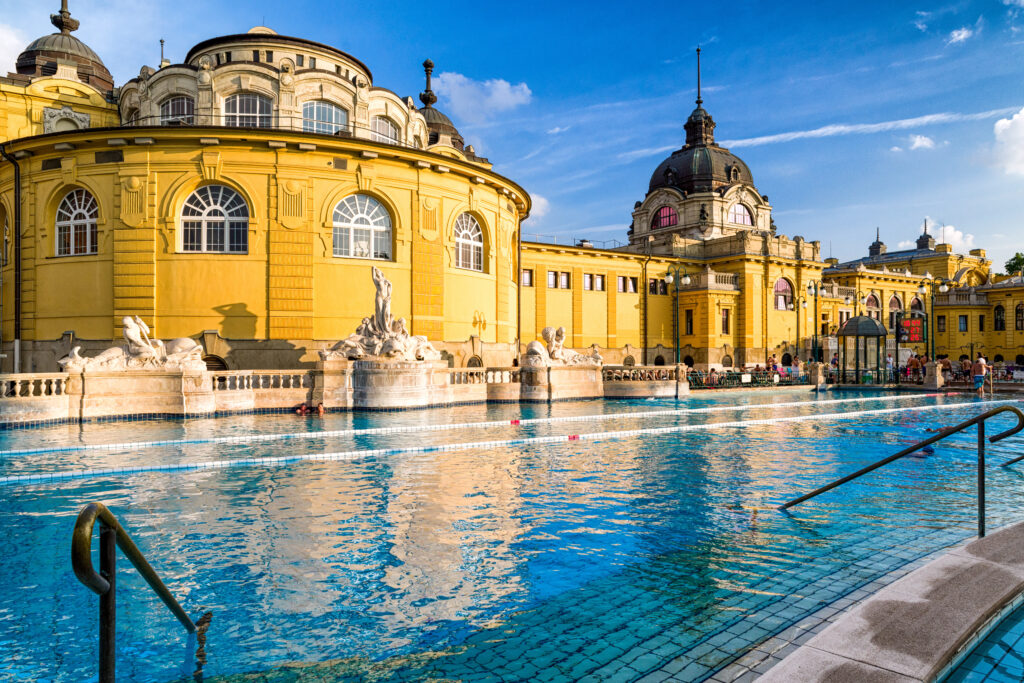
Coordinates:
<point>303,409</point>
<point>914,367</point>
<point>979,369</point>
<point>796,366</point>
<point>889,367</point>
<point>712,377</point>
<point>320,410</point>
<point>947,368</point>
<point>835,359</point>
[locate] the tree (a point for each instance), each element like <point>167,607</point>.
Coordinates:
<point>1015,264</point>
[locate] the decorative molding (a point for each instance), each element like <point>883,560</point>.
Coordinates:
<point>210,164</point>
<point>133,201</point>
<point>52,118</point>
<point>365,174</point>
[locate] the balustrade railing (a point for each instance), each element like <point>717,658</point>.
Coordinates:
<point>26,385</point>
<point>247,380</point>
<point>639,373</point>
<point>467,376</point>
<point>502,375</point>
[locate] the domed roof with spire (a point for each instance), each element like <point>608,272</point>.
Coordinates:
<point>437,123</point>
<point>41,55</point>
<point>700,165</point>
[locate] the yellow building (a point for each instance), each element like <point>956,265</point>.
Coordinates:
<point>242,197</point>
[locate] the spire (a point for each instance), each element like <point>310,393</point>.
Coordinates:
<point>700,127</point>
<point>878,234</point>
<point>428,97</point>
<point>699,100</point>
<point>877,247</point>
<point>63,20</point>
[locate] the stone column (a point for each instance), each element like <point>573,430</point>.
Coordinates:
<point>682,382</point>
<point>933,378</point>
<point>818,373</point>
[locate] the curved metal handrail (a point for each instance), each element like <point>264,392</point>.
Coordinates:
<point>81,558</point>
<point>948,431</point>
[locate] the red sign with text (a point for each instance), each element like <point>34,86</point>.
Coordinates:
<point>912,331</point>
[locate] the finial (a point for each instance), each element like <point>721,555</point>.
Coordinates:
<point>63,20</point>
<point>926,226</point>
<point>878,234</point>
<point>161,50</point>
<point>699,100</point>
<point>428,97</point>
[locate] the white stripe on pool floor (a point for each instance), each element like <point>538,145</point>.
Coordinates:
<point>251,438</point>
<point>358,455</point>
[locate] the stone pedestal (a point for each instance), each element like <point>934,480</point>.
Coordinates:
<point>399,384</point>
<point>560,382</point>
<point>817,374</point>
<point>142,392</point>
<point>933,378</point>
<point>332,384</point>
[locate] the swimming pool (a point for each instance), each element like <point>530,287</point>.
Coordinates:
<point>583,543</point>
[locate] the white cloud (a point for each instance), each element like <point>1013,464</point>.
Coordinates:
<point>1010,143</point>
<point>866,128</point>
<point>959,35</point>
<point>944,234</point>
<point>635,154</point>
<point>895,148</point>
<point>1014,3</point>
<point>540,207</point>
<point>921,23</point>
<point>558,129</point>
<point>921,142</point>
<point>476,101</point>
<point>12,42</point>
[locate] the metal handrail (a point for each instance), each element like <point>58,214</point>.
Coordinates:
<point>103,583</point>
<point>978,420</point>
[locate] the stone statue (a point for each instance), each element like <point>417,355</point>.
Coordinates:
<point>139,352</point>
<point>703,213</point>
<point>556,353</point>
<point>382,336</point>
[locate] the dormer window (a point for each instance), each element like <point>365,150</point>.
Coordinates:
<point>740,215</point>
<point>665,217</point>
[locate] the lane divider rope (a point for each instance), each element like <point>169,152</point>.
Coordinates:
<point>252,438</point>
<point>381,452</point>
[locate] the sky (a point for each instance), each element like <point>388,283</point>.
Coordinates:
<point>851,116</point>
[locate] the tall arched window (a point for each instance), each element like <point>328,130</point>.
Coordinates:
<point>179,109</point>
<point>916,304</point>
<point>384,130</point>
<point>895,306</point>
<point>248,110</point>
<point>665,217</point>
<point>469,243</point>
<point>1019,318</point>
<point>999,319</point>
<point>740,214</point>
<point>362,228</point>
<point>76,224</point>
<point>323,117</point>
<point>874,307</point>
<point>783,294</point>
<point>215,219</point>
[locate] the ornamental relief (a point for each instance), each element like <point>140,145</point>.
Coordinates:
<point>133,205</point>
<point>65,118</point>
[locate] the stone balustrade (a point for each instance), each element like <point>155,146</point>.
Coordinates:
<point>29,385</point>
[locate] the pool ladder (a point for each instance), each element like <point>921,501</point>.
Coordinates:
<point>948,431</point>
<point>103,583</point>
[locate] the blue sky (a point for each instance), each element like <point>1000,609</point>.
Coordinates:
<point>850,115</point>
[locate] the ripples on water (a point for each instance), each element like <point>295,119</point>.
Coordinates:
<point>577,557</point>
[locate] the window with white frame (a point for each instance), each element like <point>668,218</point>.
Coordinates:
<point>740,214</point>
<point>76,224</point>
<point>552,279</point>
<point>588,282</point>
<point>599,283</point>
<point>362,228</point>
<point>215,219</point>
<point>384,129</point>
<point>323,117</point>
<point>469,243</point>
<point>179,109</point>
<point>248,110</point>
<point>527,277</point>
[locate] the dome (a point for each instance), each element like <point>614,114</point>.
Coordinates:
<point>862,326</point>
<point>41,56</point>
<point>701,165</point>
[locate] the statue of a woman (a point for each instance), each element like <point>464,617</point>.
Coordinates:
<point>382,302</point>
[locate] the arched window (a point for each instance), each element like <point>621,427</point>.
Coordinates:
<point>474,362</point>
<point>362,228</point>
<point>131,117</point>
<point>319,116</point>
<point>999,319</point>
<point>469,243</point>
<point>740,214</point>
<point>895,306</point>
<point>247,110</point>
<point>1019,318</point>
<point>874,307</point>
<point>215,219</point>
<point>384,130</point>
<point>916,304</point>
<point>726,361</point>
<point>629,361</point>
<point>76,224</point>
<point>177,110</point>
<point>783,294</point>
<point>688,361</point>
<point>665,217</point>
<point>787,360</point>
<point>998,358</point>
<point>1019,361</point>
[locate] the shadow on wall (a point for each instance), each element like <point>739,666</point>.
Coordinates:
<point>236,345</point>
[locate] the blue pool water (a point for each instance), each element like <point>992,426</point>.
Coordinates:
<point>601,557</point>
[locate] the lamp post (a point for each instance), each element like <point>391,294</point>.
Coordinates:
<point>814,287</point>
<point>799,305</point>
<point>676,276</point>
<point>942,285</point>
